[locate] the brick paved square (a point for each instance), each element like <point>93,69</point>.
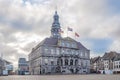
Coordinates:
<point>62,77</point>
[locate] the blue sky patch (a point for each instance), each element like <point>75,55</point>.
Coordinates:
<point>114,6</point>
<point>99,45</point>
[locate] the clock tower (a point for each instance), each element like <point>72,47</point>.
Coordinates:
<point>55,30</point>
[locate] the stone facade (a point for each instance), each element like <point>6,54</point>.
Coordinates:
<point>59,55</point>
<point>116,64</point>
<point>109,63</point>
<point>96,64</point>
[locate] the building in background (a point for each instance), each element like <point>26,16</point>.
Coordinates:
<point>1,66</point>
<point>96,64</point>
<point>116,64</point>
<point>109,63</point>
<point>23,67</point>
<point>59,55</point>
<point>6,67</point>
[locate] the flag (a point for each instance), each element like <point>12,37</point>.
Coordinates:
<point>76,34</point>
<point>70,29</point>
<point>61,31</point>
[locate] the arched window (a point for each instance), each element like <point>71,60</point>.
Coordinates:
<point>52,62</point>
<point>66,61</point>
<point>60,62</point>
<point>76,62</point>
<point>71,62</point>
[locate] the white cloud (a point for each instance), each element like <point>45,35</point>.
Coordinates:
<point>115,46</point>
<point>93,54</point>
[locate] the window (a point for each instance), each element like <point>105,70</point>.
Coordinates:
<point>52,51</point>
<point>73,45</point>
<point>81,54</point>
<point>117,66</point>
<point>85,54</point>
<point>71,62</point>
<point>54,34</point>
<point>68,51</point>
<point>76,62</point>
<point>57,51</point>
<point>46,50</point>
<point>63,50</point>
<point>77,52</point>
<point>52,62</point>
<point>73,52</point>
<point>46,61</point>
<point>60,62</point>
<point>66,61</point>
<point>63,44</point>
<point>68,45</point>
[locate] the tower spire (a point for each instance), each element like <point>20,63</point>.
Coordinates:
<point>55,30</point>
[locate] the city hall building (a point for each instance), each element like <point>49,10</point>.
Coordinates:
<point>59,55</point>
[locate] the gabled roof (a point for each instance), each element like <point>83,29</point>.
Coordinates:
<point>109,56</point>
<point>95,59</point>
<point>68,38</point>
<point>50,41</point>
<point>80,46</point>
<point>47,41</point>
<point>117,57</point>
<point>54,42</point>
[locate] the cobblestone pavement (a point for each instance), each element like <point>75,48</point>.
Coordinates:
<point>62,77</point>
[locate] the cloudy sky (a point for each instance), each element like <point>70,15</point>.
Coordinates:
<point>24,23</point>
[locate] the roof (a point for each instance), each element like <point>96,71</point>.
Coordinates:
<point>48,41</point>
<point>79,45</point>
<point>117,57</point>
<point>95,59</point>
<point>109,56</point>
<point>54,42</point>
<point>51,41</point>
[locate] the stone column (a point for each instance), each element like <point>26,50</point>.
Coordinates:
<point>69,61</point>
